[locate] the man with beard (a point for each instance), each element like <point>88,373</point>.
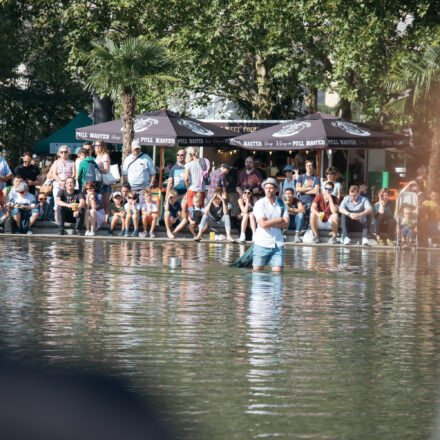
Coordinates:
<point>249,177</point>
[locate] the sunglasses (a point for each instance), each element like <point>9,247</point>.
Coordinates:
<point>248,192</point>
<point>288,171</point>
<point>180,155</point>
<point>64,152</point>
<point>130,198</point>
<point>328,189</point>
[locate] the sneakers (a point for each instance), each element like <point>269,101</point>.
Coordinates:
<point>110,232</point>
<point>143,234</point>
<point>380,242</point>
<point>135,233</point>
<point>87,233</point>
<point>152,235</point>
<point>29,232</point>
<point>315,240</point>
<point>346,241</point>
<point>390,242</point>
<point>242,238</point>
<point>91,233</point>
<point>297,239</point>
<point>332,240</point>
<point>126,233</point>
<point>365,242</point>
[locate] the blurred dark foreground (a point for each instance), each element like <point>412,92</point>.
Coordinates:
<point>38,403</point>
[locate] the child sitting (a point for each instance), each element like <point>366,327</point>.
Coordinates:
<point>195,214</point>
<point>132,210</point>
<point>407,225</point>
<point>173,214</point>
<point>117,211</point>
<point>44,208</point>
<point>150,213</point>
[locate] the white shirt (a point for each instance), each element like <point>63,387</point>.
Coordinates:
<point>141,170</point>
<point>269,237</point>
<point>196,183</point>
<point>4,171</point>
<point>149,207</point>
<point>27,200</point>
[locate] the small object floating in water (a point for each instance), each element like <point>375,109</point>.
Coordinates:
<point>174,262</point>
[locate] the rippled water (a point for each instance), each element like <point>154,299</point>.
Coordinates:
<point>343,345</point>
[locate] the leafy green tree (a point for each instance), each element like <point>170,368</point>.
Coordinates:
<point>119,68</point>
<point>417,82</point>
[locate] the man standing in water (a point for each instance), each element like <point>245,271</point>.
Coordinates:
<point>271,215</point>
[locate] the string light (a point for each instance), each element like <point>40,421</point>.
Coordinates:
<point>270,152</point>
<point>290,151</point>
<point>254,152</point>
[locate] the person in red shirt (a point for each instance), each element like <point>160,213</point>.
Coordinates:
<point>250,177</point>
<point>324,213</point>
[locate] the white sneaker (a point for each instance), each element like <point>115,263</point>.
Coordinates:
<point>242,238</point>
<point>143,234</point>
<point>87,233</point>
<point>152,235</point>
<point>365,242</point>
<point>91,233</point>
<point>347,241</point>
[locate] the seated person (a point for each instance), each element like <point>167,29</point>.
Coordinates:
<point>45,209</point>
<point>173,214</point>
<point>117,212</point>
<point>246,215</point>
<point>195,214</point>
<point>125,190</point>
<point>407,225</point>
<point>384,216</point>
<point>354,211</point>
<point>296,212</point>
<point>332,174</point>
<point>307,187</point>
<point>363,190</point>
<point>150,213</point>
<point>4,211</point>
<point>216,215</point>
<point>70,206</point>
<point>132,211</point>
<point>24,209</point>
<point>94,209</point>
<point>324,213</point>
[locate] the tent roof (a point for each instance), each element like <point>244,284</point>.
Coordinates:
<point>64,136</point>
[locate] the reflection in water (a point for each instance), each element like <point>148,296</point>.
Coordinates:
<point>343,344</point>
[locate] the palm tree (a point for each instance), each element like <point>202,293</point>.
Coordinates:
<point>118,69</point>
<point>418,84</point>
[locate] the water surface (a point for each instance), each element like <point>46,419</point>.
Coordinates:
<point>343,345</point>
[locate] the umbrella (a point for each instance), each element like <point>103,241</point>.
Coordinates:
<point>160,128</point>
<point>319,131</point>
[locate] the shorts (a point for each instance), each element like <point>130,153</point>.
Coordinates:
<point>105,189</point>
<point>273,256</point>
<point>325,226</point>
<point>149,218</point>
<point>25,211</point>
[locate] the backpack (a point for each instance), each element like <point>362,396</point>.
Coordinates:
<point>204,165</point>
<point>93,175</point>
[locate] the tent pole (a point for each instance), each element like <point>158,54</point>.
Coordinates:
<point>154,154</point>
<point>162,150</point>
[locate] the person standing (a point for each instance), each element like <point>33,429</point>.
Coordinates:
<point>307,187</point>
<point>5,173</point>
<point>218,180</point>
<point>29,173</point>
<point>103,162</point>
<point>272,216</point>
<point>176,179</point>
<point>249,177</point>
<point>138,169</point>
<point>195,183</point>
<point>62,169</point>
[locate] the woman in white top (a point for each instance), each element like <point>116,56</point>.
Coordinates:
<point>61,169</point>
<point>103,162</point>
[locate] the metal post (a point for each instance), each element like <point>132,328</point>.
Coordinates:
<point>154,155</point>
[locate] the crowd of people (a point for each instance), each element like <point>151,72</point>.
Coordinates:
<point>198,199</point>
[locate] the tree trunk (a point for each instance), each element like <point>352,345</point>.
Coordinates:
<point>434,158</point>
<point>345,109</point>
<point>128,106</point>
<point>312,100</point>
<point>264,103</point>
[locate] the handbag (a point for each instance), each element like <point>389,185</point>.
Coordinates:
<point>112,176</point>
<point>46,188</point>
